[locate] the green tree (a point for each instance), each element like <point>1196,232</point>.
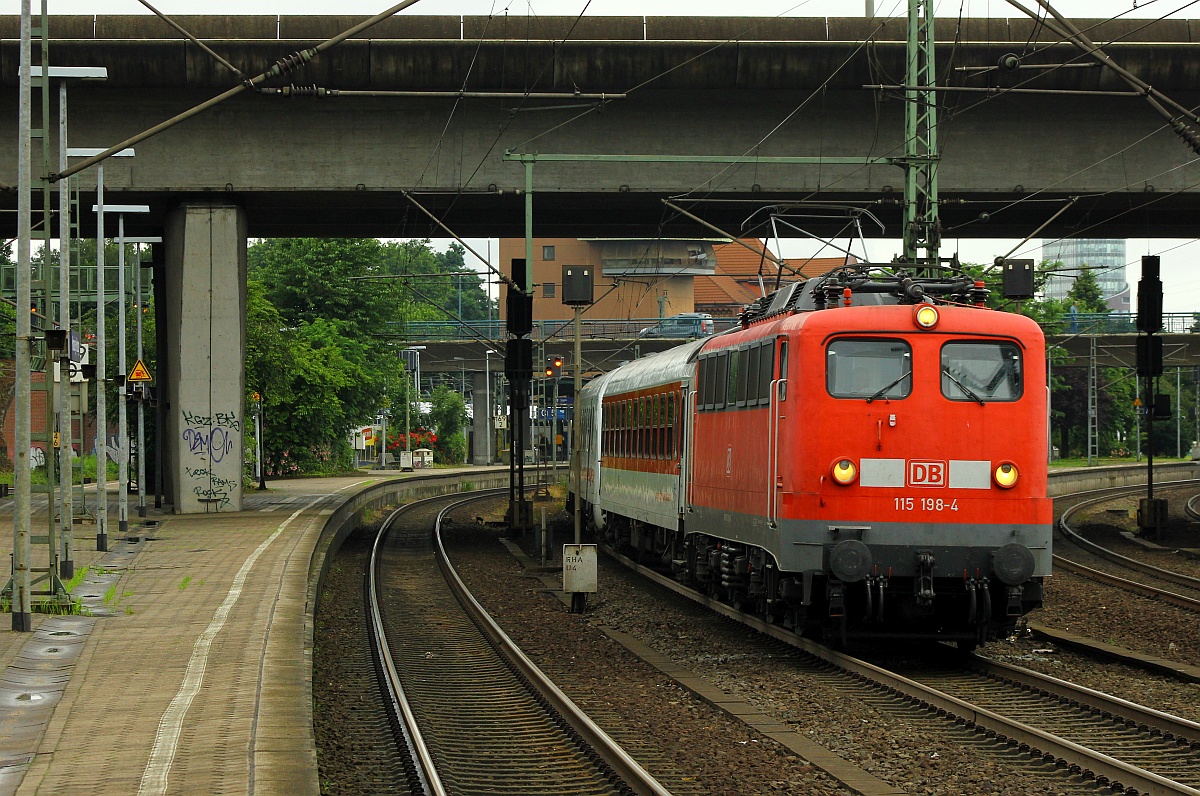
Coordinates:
<point>448,415</point>
<point>437,286</point>
<point>312,278</point>
<point>1086,294</point>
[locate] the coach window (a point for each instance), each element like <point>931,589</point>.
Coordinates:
<point>672,400</point>
<point>618,428</point>
<point>614,426</point>
<point>647,427</point>
<point>664,445</point>
<point>652,426</point>
<point>613,421</point>
<point>632,427</point>
<point>623,429</point>
<point>652,444</point>
<point>871,369</point>
<point>981,371</point>
<point>634,434</point>
<point>660,406</point>
<point>623,443</point>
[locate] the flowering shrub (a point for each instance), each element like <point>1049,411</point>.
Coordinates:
<point>420,438</point>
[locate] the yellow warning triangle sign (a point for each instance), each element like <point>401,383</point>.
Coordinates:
<point>139,373</point>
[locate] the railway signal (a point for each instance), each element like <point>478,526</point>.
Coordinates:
<point>554,366</point>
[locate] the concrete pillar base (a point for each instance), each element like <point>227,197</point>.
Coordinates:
<point>205,378</point>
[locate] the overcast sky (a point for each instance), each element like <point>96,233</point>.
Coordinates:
<point>1180,276</point>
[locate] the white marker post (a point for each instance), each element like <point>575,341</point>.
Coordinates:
<point>579,574</point>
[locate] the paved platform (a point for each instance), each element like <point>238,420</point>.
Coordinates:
<point>187,672</point>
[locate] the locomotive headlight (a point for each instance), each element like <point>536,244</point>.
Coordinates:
<point>925,316</point>
<point>1005,475</point>
<point>844,471</point>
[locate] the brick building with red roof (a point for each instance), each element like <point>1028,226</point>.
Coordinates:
<point>735,281</point>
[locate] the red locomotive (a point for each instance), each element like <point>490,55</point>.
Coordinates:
<point>865,457</point>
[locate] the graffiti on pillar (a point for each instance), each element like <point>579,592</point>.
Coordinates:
<point>209,485</point>
<point>210,438</point>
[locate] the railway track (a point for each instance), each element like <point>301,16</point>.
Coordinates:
<point>1192,507</point>
<point>1118,744</point>
<point>1189,602</point>
<point>474,713</point>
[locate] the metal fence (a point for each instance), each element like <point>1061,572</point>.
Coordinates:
<point>1083,323</point>
<point>1121,323</point>
<point>542,330</point>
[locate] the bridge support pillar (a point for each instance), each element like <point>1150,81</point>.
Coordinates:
<point>205,378</point>
<point>481,424</point>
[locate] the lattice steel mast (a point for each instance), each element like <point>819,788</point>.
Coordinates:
<point>922,228</point>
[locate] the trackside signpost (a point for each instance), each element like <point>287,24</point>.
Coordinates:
<point>579,574</point>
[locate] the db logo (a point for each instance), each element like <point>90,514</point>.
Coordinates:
<point>926,473</point>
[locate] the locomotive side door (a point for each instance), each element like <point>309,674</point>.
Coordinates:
<point>688,421</point>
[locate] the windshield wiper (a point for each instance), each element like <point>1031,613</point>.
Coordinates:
<point>879,393</point>
<point>946,372</point>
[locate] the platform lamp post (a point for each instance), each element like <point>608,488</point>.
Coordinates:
<point>101,399</point>
<point>122,413</point>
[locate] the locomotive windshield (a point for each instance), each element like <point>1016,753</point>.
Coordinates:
<point>981,372</point>
<point>868,369</point>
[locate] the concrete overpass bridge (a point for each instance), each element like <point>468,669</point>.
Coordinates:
<point>428,105</point>
<point>700,87</point>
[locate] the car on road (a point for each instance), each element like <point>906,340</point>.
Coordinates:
<point>684,326</point>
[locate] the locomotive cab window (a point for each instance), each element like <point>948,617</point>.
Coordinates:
<point>981,371</point>
<point>870,369</point>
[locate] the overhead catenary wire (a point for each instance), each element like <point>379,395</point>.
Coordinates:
<point>1156,98</point>
<point>507,280</point>
<point>194,40</point>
